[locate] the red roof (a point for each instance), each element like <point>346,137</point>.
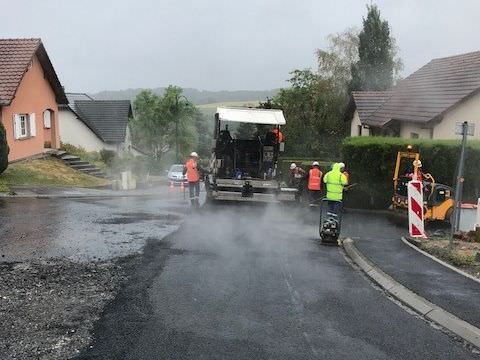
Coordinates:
<point>15,58</point>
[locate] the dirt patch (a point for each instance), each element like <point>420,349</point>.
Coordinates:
<point>47,308</point>
<point>131,218</point>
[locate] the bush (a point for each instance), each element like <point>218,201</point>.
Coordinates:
<point>371,164</point>
<point>4,150</point>
<point>107,156</point>
<point>79,151</point>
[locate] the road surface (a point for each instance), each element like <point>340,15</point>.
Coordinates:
<point>242,282</point>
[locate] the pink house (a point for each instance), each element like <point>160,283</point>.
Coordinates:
<point>29,96</point>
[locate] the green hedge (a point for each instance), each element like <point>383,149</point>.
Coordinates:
<point>371,163</point>
<point>4,150</point>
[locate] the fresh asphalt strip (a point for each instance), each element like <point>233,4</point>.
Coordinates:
<point>432,312</point>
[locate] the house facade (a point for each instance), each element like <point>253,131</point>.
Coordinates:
<point>429,104</point>
<point>96,124</point>
<point>29,96</point>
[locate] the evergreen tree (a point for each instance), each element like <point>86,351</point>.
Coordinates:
<point>3,149</point>
<point>376,50</point>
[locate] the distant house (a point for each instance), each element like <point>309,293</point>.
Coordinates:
<point>430,103</point>
<point>96,124</point>
<point>29,96</point>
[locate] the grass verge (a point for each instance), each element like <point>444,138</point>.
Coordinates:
<point>464,255</point>
<point>45,172</point>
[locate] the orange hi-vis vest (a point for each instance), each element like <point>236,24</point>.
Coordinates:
<point>278,135</point>
<point>315,179</point>
<point>192,171</point>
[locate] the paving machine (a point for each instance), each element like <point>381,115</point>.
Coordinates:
<point>243,164</point>
<point>438,198</point>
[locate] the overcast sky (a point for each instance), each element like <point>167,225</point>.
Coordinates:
<point>221,44</point>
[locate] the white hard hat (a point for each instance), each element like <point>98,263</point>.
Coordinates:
<point>342,165</point>
<point>315,163</point>
<point>417,163</point>
<point>193,154</point>
<point>293,166</point>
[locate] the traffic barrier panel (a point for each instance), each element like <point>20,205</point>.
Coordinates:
<point>415,209</point>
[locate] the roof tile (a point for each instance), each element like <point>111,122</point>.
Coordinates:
<point>424,95</point>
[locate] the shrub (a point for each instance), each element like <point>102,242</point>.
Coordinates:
<point>371,164</point>
<point>79,151</point>
<point>107,156</point>
<point>4,150</point>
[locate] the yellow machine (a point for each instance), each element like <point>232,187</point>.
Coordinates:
<point>438,198</point>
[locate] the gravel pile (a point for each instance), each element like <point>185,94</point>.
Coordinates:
<point>47,308</point>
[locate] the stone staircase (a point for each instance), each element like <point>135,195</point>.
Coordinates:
<point>77,163</point>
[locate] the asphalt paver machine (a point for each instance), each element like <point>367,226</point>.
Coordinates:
<point>244,161</point>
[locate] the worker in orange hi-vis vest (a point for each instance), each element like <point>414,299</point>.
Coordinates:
<point>314,183</point>
<point>193,177</point>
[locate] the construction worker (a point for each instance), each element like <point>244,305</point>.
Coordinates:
<point>296,179</point>
<point>411,170</point>
<point>193,177</point>
<point>314,183</point>
<point>278,135</point>
<point>296,175</point>
<point>335,181</point>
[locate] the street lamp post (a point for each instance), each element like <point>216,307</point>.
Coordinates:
<point>177,99</point>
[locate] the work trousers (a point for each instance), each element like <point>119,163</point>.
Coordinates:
<point>194,191</point>
<point>334,206</point>
<point>315,196</point>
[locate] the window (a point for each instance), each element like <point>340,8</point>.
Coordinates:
<point>47,119</point>
<point>359,130</point>
<point>414,135</point>
<point>24,125</point>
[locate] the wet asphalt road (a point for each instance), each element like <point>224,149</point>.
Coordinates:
<point>240,282</point>
<point>85,229</point>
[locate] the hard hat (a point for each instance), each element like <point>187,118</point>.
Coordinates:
<point>342,165</point>
<point>193,154</point>
<point>293,166</point>
<point>315,163</point>
<point>417,163</point>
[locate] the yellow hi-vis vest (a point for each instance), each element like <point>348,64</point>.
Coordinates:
<point>335,181</point>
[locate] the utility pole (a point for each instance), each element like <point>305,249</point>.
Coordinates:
<point>459,180</point>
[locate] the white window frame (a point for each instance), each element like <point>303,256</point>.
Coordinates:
<point>25,129</point>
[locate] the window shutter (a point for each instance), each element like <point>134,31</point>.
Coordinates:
<point>16,126</point>
<point>47,121</point>
<point>33,125</point>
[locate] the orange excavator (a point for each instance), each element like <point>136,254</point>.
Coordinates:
<point>438,198</point>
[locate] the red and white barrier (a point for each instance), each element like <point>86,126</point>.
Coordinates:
<point>415,209</point>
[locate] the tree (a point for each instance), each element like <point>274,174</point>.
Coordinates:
<point>204,135</point>
<point>154,126</point>
<point>313,106</point>
<point>4,150</point>
<point>378,64</point>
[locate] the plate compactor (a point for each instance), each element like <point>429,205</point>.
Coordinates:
<point>330,223</point>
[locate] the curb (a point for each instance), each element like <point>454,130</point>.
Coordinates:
<point>434,258</point>
<point>425,308</point>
